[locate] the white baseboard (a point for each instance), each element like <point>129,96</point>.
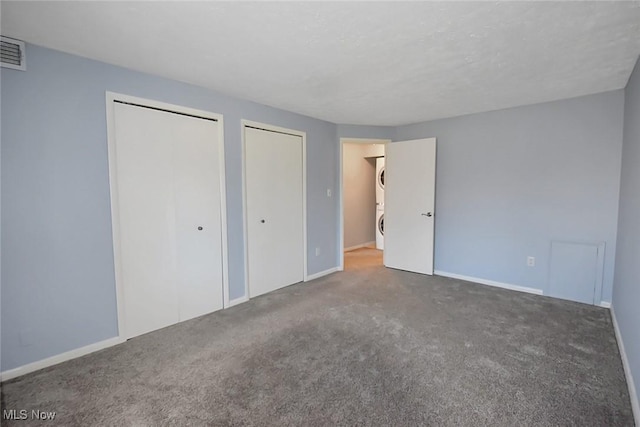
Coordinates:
<point>78,352</point>
<point>59,358</point>
<point>364,245</point>
<point>605,304</point>
<point>237,301</point>
<point>240,300</point>
<point>320,274</point>
<point>489,282</point>
<point>635,403</point>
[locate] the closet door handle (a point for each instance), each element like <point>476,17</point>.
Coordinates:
<point>427,214</point>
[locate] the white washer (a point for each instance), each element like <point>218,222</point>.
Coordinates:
<point>379,228</point>
<point>380,181</point>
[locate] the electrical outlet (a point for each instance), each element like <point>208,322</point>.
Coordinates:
<point>317,251</point>
<point>531,261</point>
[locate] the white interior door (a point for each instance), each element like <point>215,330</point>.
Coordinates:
<point>274,208</point>
<point>168,185</point>
<point>410,176</point>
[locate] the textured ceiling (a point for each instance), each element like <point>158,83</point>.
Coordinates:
<point>378,63</point>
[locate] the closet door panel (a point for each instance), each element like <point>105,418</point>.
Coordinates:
<point>169,211</point>
<point>275,206</point>
<point>147,217</point>
<point>198,218</point>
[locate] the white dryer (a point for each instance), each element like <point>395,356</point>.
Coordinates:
<point>379,227</point>
<point>379,181</point>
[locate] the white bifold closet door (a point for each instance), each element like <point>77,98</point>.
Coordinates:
<point>274,205</point>
<point>169,199</point>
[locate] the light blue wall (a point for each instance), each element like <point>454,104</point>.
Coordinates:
<point>58,288</point>
<point>509,182</point>
<point>366,132</point>
<point>626,289</point>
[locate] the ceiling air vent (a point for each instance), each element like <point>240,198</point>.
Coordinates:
<point>12,54</point>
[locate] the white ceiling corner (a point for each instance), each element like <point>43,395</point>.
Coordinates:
<point>374,63</point>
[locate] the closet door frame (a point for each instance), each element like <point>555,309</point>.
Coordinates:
<point>111,98</point>
<point>248,123</point>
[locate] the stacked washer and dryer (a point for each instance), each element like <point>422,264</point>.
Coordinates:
<point>380,203</point>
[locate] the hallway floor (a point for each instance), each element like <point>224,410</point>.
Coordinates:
<point>362,258</point>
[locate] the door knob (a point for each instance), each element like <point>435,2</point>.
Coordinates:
<point>262,221</point>
<point>199,228</point>
<point>427,214</point>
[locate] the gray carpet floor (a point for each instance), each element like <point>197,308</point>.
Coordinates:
<point>367,346</point>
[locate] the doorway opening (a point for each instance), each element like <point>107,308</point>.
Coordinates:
<point>362,165</point>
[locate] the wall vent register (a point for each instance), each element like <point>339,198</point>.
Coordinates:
<point>12,54</point>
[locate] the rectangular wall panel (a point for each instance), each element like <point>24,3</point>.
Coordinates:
<point>574,270</point>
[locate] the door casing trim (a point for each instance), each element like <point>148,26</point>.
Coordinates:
<point>342,141</point>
